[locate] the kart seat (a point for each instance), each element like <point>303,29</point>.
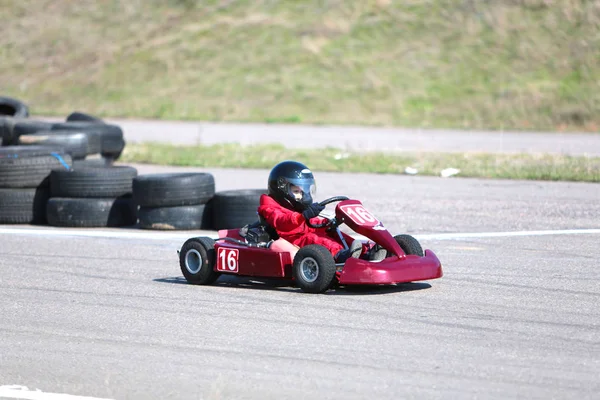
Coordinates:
<point>259,233</point>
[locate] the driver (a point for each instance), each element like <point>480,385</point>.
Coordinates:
<point>289,204</point>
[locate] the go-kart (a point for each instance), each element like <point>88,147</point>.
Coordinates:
<point>256,250</point>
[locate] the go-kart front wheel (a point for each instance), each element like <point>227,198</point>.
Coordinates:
<point>409,245</point>
<point>197,260</point>
<point>314,269</point>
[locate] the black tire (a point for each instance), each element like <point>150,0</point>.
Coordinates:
<point>15,127</point>
<point>114,153</point>
<point>314,269</point>
<point>26,171</point>
<point>409,245</point>
<point>173,218</point>
<point>82,117</point>
<point>93,143</point>
<point>173,189</point>
<point>235,208</point>
<point>90,213</point>
<point>92,182</point>
<point>23,206</point>
<point>73,143</point>
<point>92,163</point>
<point>110,136</point>
<point>6,128</point>
<point>13,107</point>
<point>197,260</point>
<point>29,151</point>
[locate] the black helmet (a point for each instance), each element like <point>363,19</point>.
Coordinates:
<point>292,185</point>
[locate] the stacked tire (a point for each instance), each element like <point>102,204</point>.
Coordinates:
<point>174,201</point>
<point>13,107</point>
<point>24,181</point>
<point>235,208</point>
<point>92,197</point>
<point>80,138</point>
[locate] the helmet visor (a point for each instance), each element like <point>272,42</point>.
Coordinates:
<point>303,190</point>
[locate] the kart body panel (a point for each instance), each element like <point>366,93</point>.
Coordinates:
<point>391,270</point>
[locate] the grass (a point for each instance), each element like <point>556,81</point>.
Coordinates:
<point>480,165</point>
<point>506,64</point>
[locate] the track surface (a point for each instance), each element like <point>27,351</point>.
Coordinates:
<point>513,317</point>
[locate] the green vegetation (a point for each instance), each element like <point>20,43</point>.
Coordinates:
<point>518,166</point>
<point>505,64</point>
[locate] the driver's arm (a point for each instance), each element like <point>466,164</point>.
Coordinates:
<point>284,221</point>
<point>280,219</point>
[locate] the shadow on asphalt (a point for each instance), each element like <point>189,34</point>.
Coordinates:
<point>242,282</point>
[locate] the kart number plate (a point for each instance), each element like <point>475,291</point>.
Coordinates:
<point>227,260</point>
<point>360,215</point>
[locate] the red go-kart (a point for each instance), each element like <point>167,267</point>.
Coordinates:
<point>256,250</point>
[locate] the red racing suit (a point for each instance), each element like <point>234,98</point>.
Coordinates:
<point>291,226</point>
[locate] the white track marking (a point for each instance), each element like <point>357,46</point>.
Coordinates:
<point>22,392</point>
<point>110,234</point>
<point>445,236</point>
<point>183,235</point>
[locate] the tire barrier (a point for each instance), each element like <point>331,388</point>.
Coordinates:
<point>111,141</point>
<point>73,143</point>
<point>48,176</point>
<point>24,182</point>
<point>23,205</point>
<point>30,167</point>
<point>113,181</point>
<point>174,201</point>
<point>90,212</point>
<point>92,163</point>
<point>79,116</point>
<point>13,107</point>
<point>174,218</point>
<point>235,208</point>
<point>11,128</point>
<point>104,139</point>
<point>92,197</point>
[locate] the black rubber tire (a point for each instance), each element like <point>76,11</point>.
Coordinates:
<point>173,218</point>
<point>409,245</point>
<point>90,213</point>
<point>92,163</point>
<point>235,208</point>
<point>30,171</point>
<point>110,136</point>
<point>29,151</point>
<point>324,264</point>
<point>73,143</point>
<point>114,153</point>
<point>94,137</point>
<point>23,206</point>
<point>13,107</point>
<point>15,127</point>
<point>173,189</point>
<point>199,252</point>
<point>6,129</point>
<point>82,117</point>
<point>92,182</point>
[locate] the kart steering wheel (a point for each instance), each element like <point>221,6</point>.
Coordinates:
<point>324,203</point>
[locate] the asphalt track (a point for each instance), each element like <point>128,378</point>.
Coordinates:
<point>105,313</point>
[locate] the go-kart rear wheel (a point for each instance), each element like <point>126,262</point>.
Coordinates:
<point>409,245</point>
<point>197,260</point>
<point>314,269</point>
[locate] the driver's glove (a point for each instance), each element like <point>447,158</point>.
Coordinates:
<point>312,211</point>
